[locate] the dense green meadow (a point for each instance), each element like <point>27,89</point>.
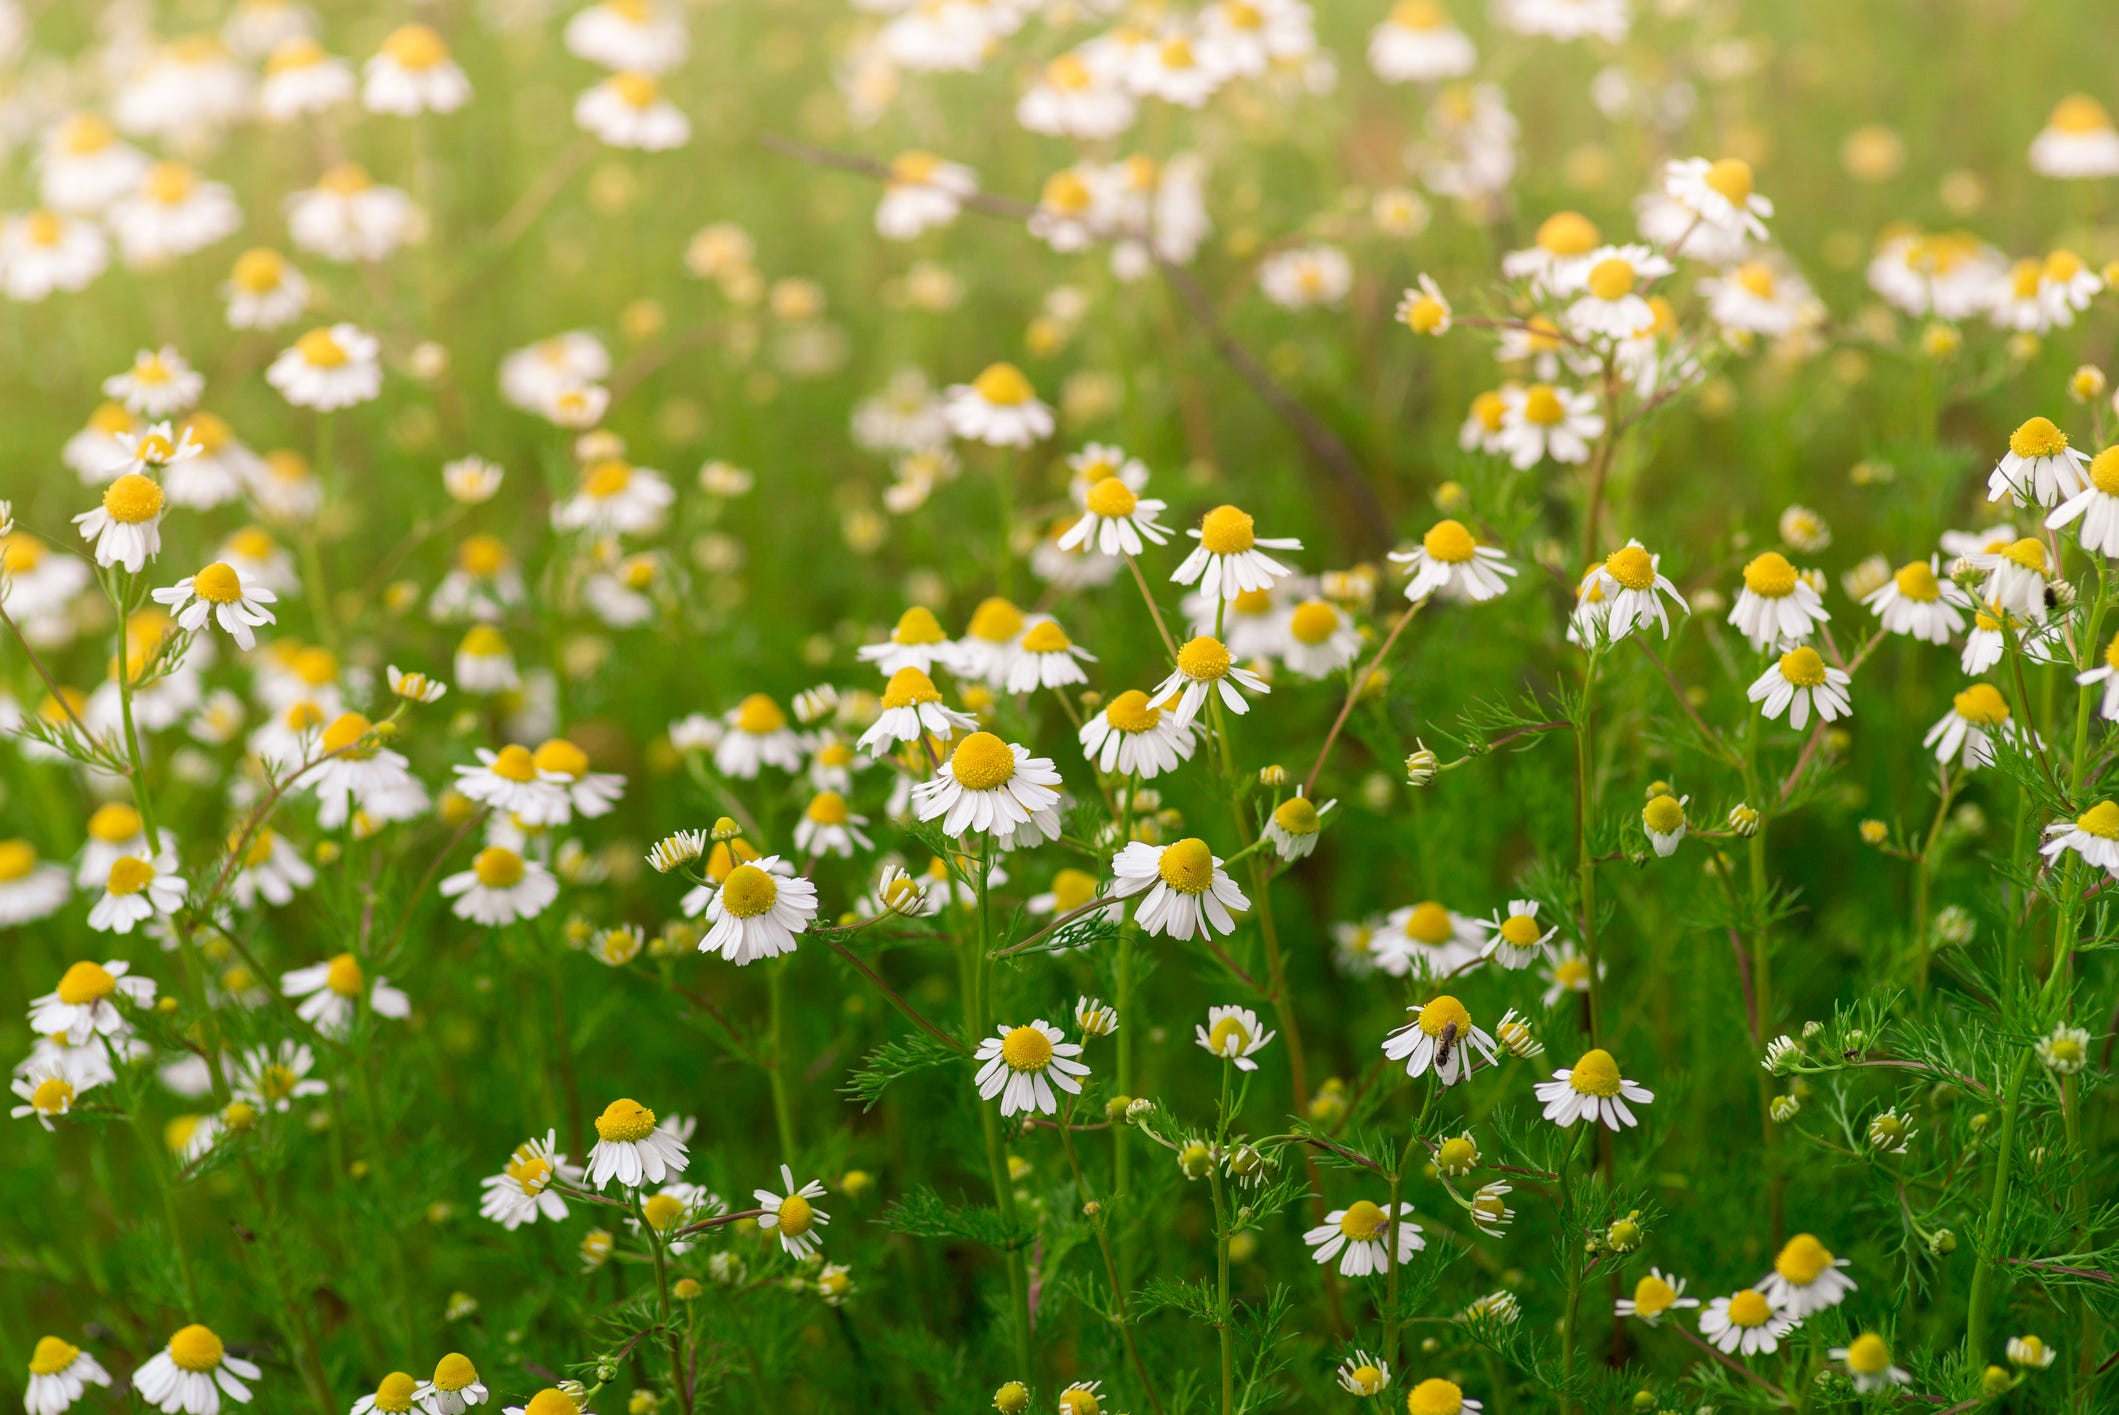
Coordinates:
<point>537,599</point>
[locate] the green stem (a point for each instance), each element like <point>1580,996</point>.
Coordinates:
<point>1997,1202</point>
<point>1224,1315</point>
<point>989,1120</point>
<point>776,1068</point>
<point>1585,861</point>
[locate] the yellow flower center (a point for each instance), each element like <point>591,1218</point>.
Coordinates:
<point>2079,113</point>
<point>1131,711</point>
<point>2100,820</point>
<point>1457,1154</point>
<point>1046,636</point>
<point>2104,471</point>
<point>1429,923</point>
<point>1187,866</point>
<point>1611,279</point>
<point>276,1082</point>
<point>909,687</point>
<point>1434,1396</point>
<point>2028,553</point>
<point>913,168</point>
<point>1488,409</point>
<point>1803,667</point>
<point>129,875</point>
<point>169,183</point>
<point>394,1394</point>
<point>828,808</point>
<point>1071,889</point>
<point>918,626</point>
<point>320,348</point>
<point>1296,816</point>
<point>1596,1074</point>
<point>1982,705</point>
<point>345,734</point>
<point>83,133</point>
<point>748,892</point>
<point>1112,498</point>
<point>1867,1355</point>
<point>1077,1400</point>
<point>1520,931</point>
<point>1004,386</point>
<point>52,1356</point>
<point>344,977</point>
<point>514,763</point>
<point>20,554</point>
<point>606,479</point>
<point>417,47</point>
<point>2038,438</point>
<point>796,1216</point>
<point>1757,278</point>
<point>195,1348</point>
<point>662,1210</point>
<point>558,755</point>
<point>625,1121</point>
<point>17,859</point>
<point>1541,405</point>
<point>1066,193</point>
<point>1230,1037</point>
<point>346,179</point>
<point>1916,581</point>
<point>1363,1221</point>
<point>498,867</point>
<point>1027,1049</point>
<point>1731,178</point>
<point>218,583</point>
<point>995,621</point>
<point>1564,233</point>
<point>1226,531</point>
<point>1652,1296</point>
<point>551,1401</point>
<point>1632,567</point>
<point>259,271</point>
<point>1770,575</point>
<point>1449,542</point>
<point>2111,653</point>
<point>982,762</point>
<point>52,1096</point>
<point>760,716</point>
<point>636,90</point>
<point>2062,266</point>
<point>454,1372</point>
<point>1314,621</point>
<point>532,1172</point>
<point>1203,660</point>
<point>1803,1260</point>
<point>1438,1015</point>
<point>1664,814</point>
<point>1749,1308</point>
<point>132,499</point>
<point>1251,602</point>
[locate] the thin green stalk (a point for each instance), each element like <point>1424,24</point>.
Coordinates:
<point>989,1121</point>
<point>1225,1316</point>
<point>776,1068</point>
<point>1585,861</point>
<point>662,1297</point>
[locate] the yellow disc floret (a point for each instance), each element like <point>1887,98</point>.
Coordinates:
<point>1226,530</point>
<point>625,1121</point>
<point>748,892</point>
<point>1596,1074</point>
<point>1770,575</point>
<point>1027,1049</point>
<point>1187,866</point>
<point>195,1348</point>
<point>982,762</point>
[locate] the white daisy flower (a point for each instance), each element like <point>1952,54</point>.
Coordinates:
<point>1233,1034</point>
<point>1021,1065</point>
<point>271,869</point>
<point>48,1090</point>
<point>355,772</point>
<point>510,781</point>
<point>170,214</point>
<point>629,34</point>
<point>301,77</point>
<point>413,74</point>
<point>43,251</point>
<point>1320,639</point>
<point>59,1374</point>
<point>2107,673</point>
<point>1806,1279</point>
<point>1450,561</point>
<point>916,641</point>
<point>1362,1374</point>
<point>1295,824</point>
<point>1868,1362</point>
<point>616,498</point>
<point>1417,43</point>
<point>159,384</point>
<point>126,529</point>
<point>1116,519</point>
<point>1985,645</point>
<point>1610,304</point>
<point>1094,1017</point>
<point>998,408</point>
<point>273,1078</point>
<point>191,1374</point>
<point>632,1149</point>
<point>1308,277</point>
<point>1966,731</point>
<point>757,736</point>
<point>1070,100</point>
<point>793,1214</point>
<point>2017,577</point>
<point>922,193</point>
<point>1655,1296</point>
<point>523,1192</point>
<point>2097,505</point>
<point>1516,940</point>
<point>1228,560</point>
<point>83,166</point>
<point>1204,667</point>
<point>1189,894</point>
<point>40,585</point>
<point>1629,583</point>
<point>757,912</point>
<point>1663,821</point>
<point>1917,601</point>
<point>1591,1090</point>
<point>1763,297</point>
<point>264,291</point>
<point>1541,421</point>
<point>1797,681</point>
<point>828,827</point>
<point>912,707</point>
<point>1045,658</point>
<point>219,594</point>
<point>1428,940</point>
<point>500,888</point>
<point>329,368</point>
<point>1439,1034</point>
<point>995,788</point>
<point>1719,193</point>
<point>2077,141</point>
<point>331,990</point>
<point>1359,1236</point>
<point>1132,736</point>
<point>1556,262</point>
<point>2039,466</point>
<point>2030,1352</point>
<point>30,889</point>
<point>347,217</point>
<point>1777,607</point>
<point>135,891</point>
<point>1745,1323</point>
<point>629,110</point>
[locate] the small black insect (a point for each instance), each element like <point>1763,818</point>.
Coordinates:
<point>1445,1046</point>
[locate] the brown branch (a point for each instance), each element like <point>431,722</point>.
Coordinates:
<point>890,992</point>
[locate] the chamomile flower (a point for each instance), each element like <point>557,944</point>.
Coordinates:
<point>1610,304</point>
<point>1656,1295</point>
<point>1134,736</point>
<point>1450,561</point>
<point>1308,277</point>
<point>523,1191</point>
<point>1021,1065</point>
<point>1358,1235</point>
<point>1777,607</point>
<point>2039,466</point>
<point>1516,940</point>
<point>1745,1322</point>
<point>1094,1017</point>
<point>1071,99</point>
<point>393,1395</point>
<point>191,1374</point>
<point>1228,560</point>
<point>1663,818</point>
<point>330,367</point>
<point>632,1149</point>
<point>2077,141</point>
<point>2017,578</point>
<point>912,707</point>
<point>41,586</point>
<point>629,110</point>
<point>1763,297</point>
<point>1233,1034</point>
<point>1116,519</point>
<point>1428,940</point>
<point>1917,601</point>
<point>921,193</point>
<point>757,912</point>
<point>273,1078</point>
<point>992,787</point>
<point>1806,1279</point>
<point>2066,285</point>
<point>1294,826</point>
<point>1439,1034</point>
<point>1630,583</point>
<point>1591,1090</point>
<point>2094,835</point>
<point>59,1374</point>
<point>83,166</point>
<point>1720,193</point>
<point>347,217</point>
<point>114,830</point>
<point>1557,260</point>
<point>510,780</point>
<point>1203,668</point>
<point>331,991</point>
<point>301,77</point>
<point>1798,681</point>
<point>500,888</point>
<point>1541,421</point>
<point>616,498</point>
<point>171,213</point>
<point>1362,1374</point>
<point>2030,1352</point>
<point>264,291</point>
<point>757,736</point>
<point>828,827</point>
<point>48,1091</point>
<point>1045,657</point>
<point>412,74</point>
<point>30,889</point>
<point>217,593</point>
<point>1966,732</point>
<point>355,771</point>
<point>43,251</point>
<point>126,529</point>
<point>793,1215</point>
<point>1188,893</point>
<point>916,641</point>
<point>271,869</point>
<point>1868,1362</point>
<point>1435,1396</point>
<point>2096,505</point>
<point>1320,639</point>
<point>998,408</point>
<point>1418,43</point>
<point>136,890</point>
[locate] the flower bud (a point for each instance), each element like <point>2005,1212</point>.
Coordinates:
<point>1743,820</point>
<point>1420,766</point>
<point>1195,1160</point>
